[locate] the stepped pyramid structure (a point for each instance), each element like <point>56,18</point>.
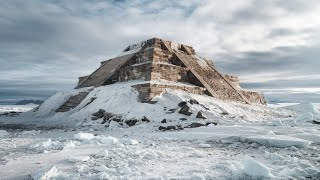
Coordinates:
<point>161,64</point>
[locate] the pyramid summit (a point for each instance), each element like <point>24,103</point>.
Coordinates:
<point>158,64</point>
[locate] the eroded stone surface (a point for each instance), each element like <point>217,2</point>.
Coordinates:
<point>165,65</point>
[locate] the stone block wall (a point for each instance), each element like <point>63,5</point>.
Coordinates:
<point>234,80</point>
<point>82,78</point>
<point>161,56</point>
<point>254,97</point>
<point>169,72</point>
<point>142,71</point>
<point>144,56</point>
<point>148,90</point>
<point>152,64</point>
<point>214,79</point>
<point>171,62</point>
<point>222,88</point>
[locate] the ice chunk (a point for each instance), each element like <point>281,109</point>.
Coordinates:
<point>204,145</point>
<point>306,117</point>
<point>255,168</point>
<point>50,173</point>
<point>295,172</point>
<point>30,133</point>
<point>103,168</point>
<point>103,175</point>
<point>75,159</point>
<point>129,141</point>
<point>278,141</point>
<point>274,156</point>
<point>198,176</point>
<point>3,133</point>
<point>49,145</point>
<point>108,140</point>
<point>103,153</point>
<point>275,122</point>
<point>45,145</point>
<point>70,144</point>
<point>304,108</point>
<point>83,168</point>
<point>313,137</point>
<point>83,136</point>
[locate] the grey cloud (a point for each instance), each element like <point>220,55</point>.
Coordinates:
<point>284,84</point>
<point>297,6</point>
<point>296,61</point>
<point>46,45</point>
<point>263,11</point>
<point>280,32</point>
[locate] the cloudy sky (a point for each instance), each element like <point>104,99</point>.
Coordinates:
<point>272,45</point>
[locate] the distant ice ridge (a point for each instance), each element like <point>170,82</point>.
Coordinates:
<point>17,108</point>
<point>304,107</point>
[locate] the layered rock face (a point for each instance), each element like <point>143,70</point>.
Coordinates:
<point>158,64</point>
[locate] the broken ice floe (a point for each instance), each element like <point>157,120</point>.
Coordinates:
<point>255,168</point>
<point>277,141</point>
<point>83,136</point>
<point>49,145</point>
<point>79,139</point>
<point>75,159</point>
<point>3,133</point>
<point>46,174</point>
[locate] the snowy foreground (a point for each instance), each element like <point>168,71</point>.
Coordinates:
<point>248,142</point>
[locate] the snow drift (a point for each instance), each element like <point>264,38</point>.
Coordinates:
<point>121,99</point>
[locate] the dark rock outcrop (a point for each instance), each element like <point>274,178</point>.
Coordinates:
<point>185,110</point>
<point>200,115</point>
<point>316,121</point>
<point>99,114</point>
<point>214,123</point>
<point>168,128</point>
<point>170,111</point>
<point>131,122</point>
<point>195,125</point>
<point>182,103</point>
<point>193,101</point>
<point>145,119</point>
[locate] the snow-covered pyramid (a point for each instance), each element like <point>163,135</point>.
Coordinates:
<point>162,83</point>
<point>118,105</point>
<point>159,65</point>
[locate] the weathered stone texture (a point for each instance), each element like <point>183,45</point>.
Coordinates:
<point>222,89</point>
<point>98,77</point>
<point>142,72</point>
<point>169,72</point>
<point>148,90</point>
<point>81,79</point>
<point>255,97</point>
<point>72,102</point>
<point>165,60</point>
